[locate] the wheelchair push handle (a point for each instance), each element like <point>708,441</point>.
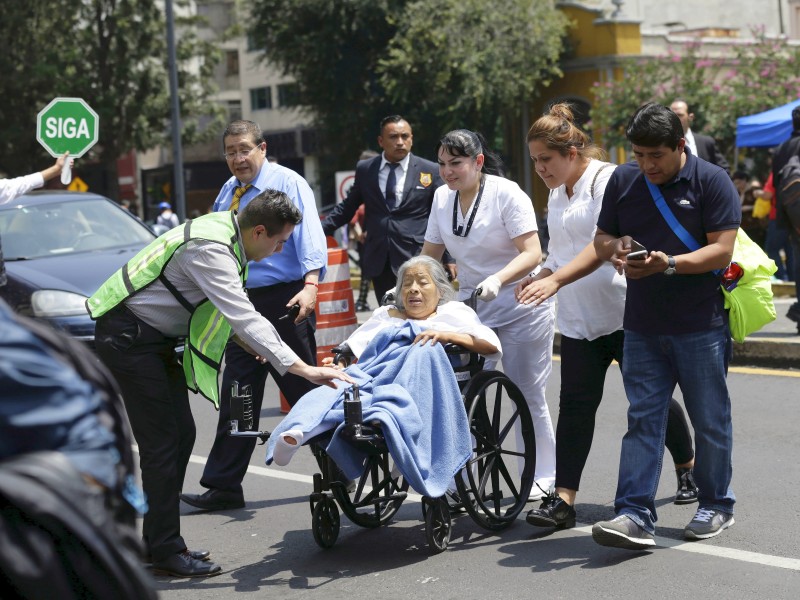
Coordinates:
<point>352,406</point>
<point>241,414</point>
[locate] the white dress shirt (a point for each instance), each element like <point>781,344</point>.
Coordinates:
<point>400,177</point>
<point>689,137</point>
<point>11,188</point>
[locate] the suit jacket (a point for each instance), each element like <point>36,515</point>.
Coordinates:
<point>397,233</point>
<point>707,150</point>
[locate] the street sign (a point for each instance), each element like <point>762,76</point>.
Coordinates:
<point>67,125</point>
<point>344,181</point>
<point>78,185</point>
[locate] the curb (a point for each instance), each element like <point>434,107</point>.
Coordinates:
<point>754,352</point>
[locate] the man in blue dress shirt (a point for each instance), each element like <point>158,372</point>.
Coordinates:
<point>273,285</point>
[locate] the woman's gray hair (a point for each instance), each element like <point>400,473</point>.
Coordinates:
<point>437,272</point>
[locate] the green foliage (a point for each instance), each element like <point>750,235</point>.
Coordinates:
<point>473,61</point>
<point>440,63</point>
<point>332,50</point>
<point>755,77</point>
<point>111,53</point>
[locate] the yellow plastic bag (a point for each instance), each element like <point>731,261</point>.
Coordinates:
<point>761,208</point>
<point>749,299</point>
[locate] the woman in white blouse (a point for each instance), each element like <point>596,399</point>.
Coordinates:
<point>590,310</point>
<point>487,223</point>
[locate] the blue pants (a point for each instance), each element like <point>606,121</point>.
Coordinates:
<point>698,362</point>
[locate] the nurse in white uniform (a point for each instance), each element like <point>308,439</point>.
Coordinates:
<point>488,225</point>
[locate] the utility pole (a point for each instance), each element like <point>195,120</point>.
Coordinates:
<point>179,195</point>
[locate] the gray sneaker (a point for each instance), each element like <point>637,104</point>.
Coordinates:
<point>707,523</point>
<point>622,532</point>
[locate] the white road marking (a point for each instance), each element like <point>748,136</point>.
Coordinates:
<point>767,560</point>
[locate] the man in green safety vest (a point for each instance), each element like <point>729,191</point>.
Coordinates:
<point>189,283</point>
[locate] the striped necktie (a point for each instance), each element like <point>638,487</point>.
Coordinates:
<point>237,195</point>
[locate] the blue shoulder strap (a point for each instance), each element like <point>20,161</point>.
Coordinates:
<point>670,218</point>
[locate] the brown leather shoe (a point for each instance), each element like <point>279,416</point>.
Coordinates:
<point>183,565</point>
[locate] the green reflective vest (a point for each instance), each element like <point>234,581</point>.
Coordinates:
<point>209,331</point>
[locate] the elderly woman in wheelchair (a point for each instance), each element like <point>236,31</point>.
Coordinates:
<point>411,426</point>
<point>405,382</point>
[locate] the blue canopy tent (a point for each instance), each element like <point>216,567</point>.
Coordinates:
<point>768,128</point>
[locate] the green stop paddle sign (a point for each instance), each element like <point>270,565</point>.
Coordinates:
<point>67,125</point>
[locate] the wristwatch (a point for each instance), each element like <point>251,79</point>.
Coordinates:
<point>670,270</point>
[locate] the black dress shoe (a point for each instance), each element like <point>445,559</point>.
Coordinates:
<point>183,564</point>
<point>554,512</point>
<point>195,554</point>
<point>687,488</point>
<point>214,500</point>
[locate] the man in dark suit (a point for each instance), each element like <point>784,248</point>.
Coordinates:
<point>700,145</point>
<point>396,189</point>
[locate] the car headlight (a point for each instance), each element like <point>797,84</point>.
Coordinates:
<point>55,303</point>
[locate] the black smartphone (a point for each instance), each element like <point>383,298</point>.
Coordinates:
<point>294,310</point>
<point>638,252</point>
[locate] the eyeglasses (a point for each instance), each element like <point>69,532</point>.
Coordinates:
<point>240,153</point>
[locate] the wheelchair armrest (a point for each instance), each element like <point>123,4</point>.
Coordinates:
<point>343,353</point>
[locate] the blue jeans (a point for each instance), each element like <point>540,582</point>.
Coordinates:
<point>777,240</point>
<point>654,364</point>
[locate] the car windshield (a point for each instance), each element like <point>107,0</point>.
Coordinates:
<point>57,228</point>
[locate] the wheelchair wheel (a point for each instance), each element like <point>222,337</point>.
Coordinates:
<point>325,522</point>
<point>438,524</point>
<point>492,492</point>
<point>378,495</point>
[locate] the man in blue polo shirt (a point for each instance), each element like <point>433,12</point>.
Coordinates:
<point>676,329</point>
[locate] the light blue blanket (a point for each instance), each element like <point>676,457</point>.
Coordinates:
<point>412,391</point>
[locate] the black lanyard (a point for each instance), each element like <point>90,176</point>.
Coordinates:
<point>457,229</point>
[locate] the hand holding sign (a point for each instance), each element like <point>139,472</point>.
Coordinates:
<point>66,168</point>
<point>67,126</point>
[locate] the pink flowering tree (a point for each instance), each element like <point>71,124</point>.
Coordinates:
<point>754,76</point>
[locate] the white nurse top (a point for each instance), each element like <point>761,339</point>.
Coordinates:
<point>505,212</point>
<point>594,305</point>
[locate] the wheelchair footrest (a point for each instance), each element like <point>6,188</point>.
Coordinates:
<point>261,435</point>
<point>367,438</point>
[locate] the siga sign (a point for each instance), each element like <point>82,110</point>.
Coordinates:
<point>67,125</point>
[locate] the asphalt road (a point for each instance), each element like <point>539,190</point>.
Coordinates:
<point>267,548</point>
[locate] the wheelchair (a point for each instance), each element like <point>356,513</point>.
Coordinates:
<point>488,486</point>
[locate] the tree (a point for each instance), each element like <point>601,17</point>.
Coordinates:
<point>34,47</point>
<point>440,63</point>
<point>754,77</point>
<point>111,53</point>
<point>474,62</point>
<point>331,49</point>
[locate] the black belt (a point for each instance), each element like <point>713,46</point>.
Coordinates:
<point>266,289</point>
